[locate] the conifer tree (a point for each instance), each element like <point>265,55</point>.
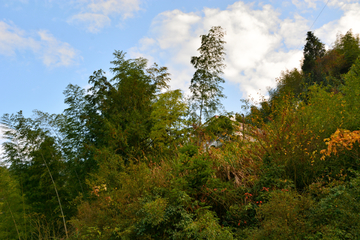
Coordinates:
<point>313,49</point>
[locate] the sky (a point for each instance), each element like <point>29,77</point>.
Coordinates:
<point>47,44</point>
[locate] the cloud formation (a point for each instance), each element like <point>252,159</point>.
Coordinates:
<point>12,38</point>
<point>305,3</point>
<point>259,44</point>
<point>55,52</point>
<point>349,20</point>
<point>97,14</point>
<point>52,51</point>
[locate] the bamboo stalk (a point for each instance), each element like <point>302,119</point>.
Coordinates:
<point>17,230</point>
<point>57,194</point>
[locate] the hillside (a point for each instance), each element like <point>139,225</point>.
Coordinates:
<point>126,159</point>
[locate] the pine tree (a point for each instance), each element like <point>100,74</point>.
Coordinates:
<point>313,49</point>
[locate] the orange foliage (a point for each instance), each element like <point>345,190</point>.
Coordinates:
<point>340,140</point>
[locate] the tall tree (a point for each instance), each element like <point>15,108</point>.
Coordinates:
<point>205,84</point>
<point>36,162</point>
<point>119,111</point>
<point>313,49</point>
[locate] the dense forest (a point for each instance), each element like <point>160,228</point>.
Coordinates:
<point>131,159</point>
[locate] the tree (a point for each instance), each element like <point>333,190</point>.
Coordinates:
<point>74,132</point>
<point>337,61</point>
<point>313,50</point>
<point>348,46</point>
<point>119,112</point>
<point>168,117</point>
<point>13,223</point>
<point>205,84</point>
<point>36,162</point>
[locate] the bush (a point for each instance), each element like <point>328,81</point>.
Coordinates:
<point>285,216</point>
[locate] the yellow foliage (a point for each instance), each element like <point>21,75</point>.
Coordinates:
<point>340,140</point>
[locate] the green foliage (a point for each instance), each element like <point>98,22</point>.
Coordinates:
<point>13,221</point>
<point>205,84</point>
<point>348,46</point>
<point>168,117</point>
<point>37,164</point>
<point>273,176</point>
<point>189,150</point>
<point>285,216</point>
<point>124,161</point>
<point>206,226</point>
<point>313,49</point>
<point>238,162</point>
<point>290,143</point>
<point>339,211</point>
<point>220,127</point>
<point>330,67</point>
<point>154,211</point>
<point>352,97</point>
<point>145,203</point>
<point>112,210</point>
<point>119,113</point>
<point>337,61</point>
<point>128,114</point>
<point>290,82</point>
<point>197,171</point>
<point>75,139</point>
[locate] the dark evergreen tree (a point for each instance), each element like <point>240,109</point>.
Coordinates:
<point>313,49</point>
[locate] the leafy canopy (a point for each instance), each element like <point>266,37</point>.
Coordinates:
<point>205,84</point>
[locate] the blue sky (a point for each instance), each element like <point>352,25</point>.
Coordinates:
<point>47,44</point>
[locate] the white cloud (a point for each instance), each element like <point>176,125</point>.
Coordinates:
<point>257,44</point>
<point>13,38</point>
<point>123,7</point>
<point>341,3</point>
<point>306,3</point>
<point>53,52</point>
<point>349,20</point>
<point>97,14</point>
<point>293,31</point>
<point>94,21</point>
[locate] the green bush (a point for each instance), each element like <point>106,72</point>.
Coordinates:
<point>338,212</point>
<point>285,216</point>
